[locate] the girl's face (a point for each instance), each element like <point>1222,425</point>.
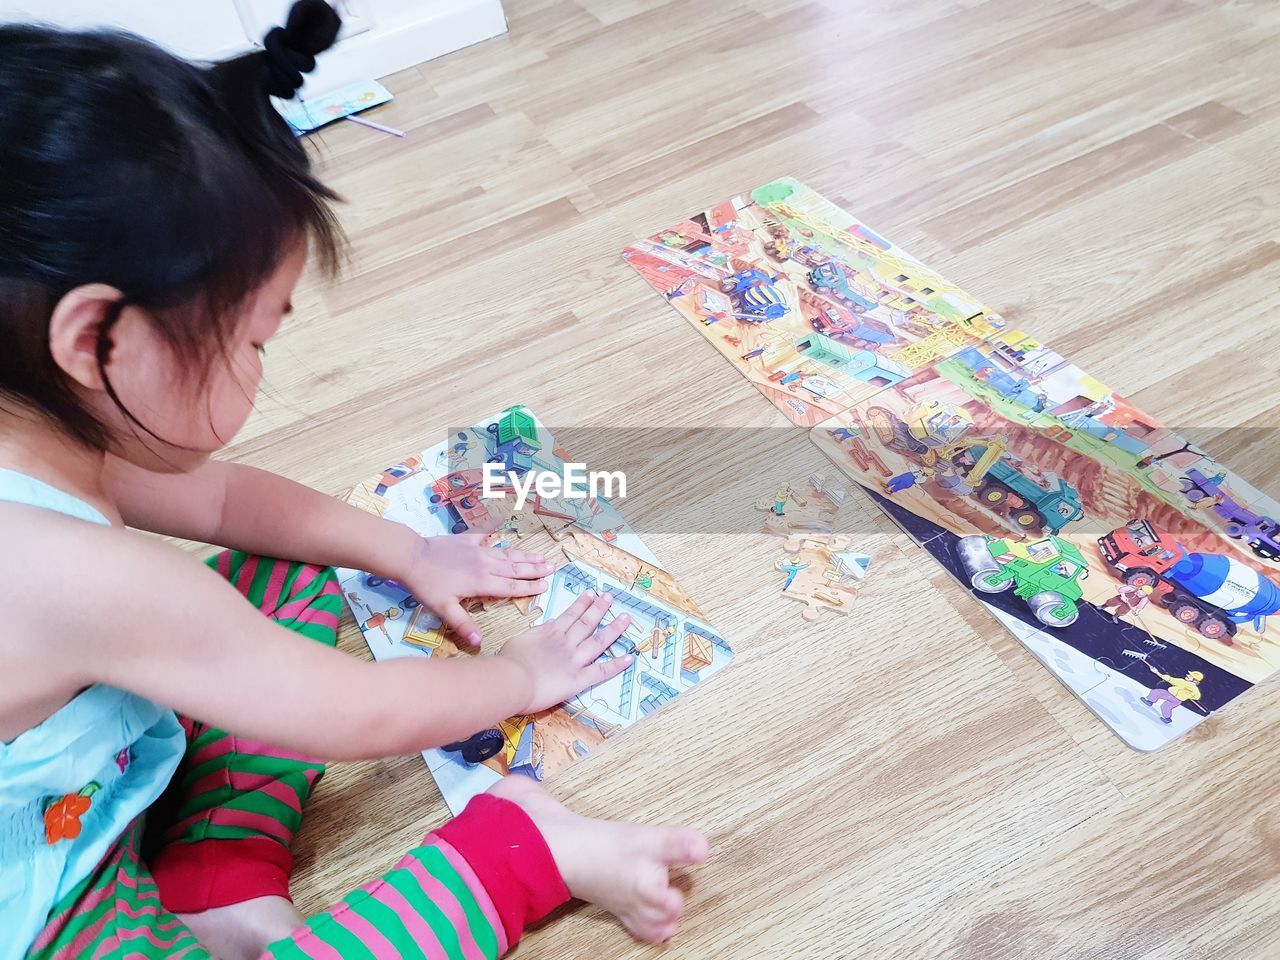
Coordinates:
<point>193,419</point>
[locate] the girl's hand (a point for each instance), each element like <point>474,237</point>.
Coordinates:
<point>445,571</point>
<point>560,656</point>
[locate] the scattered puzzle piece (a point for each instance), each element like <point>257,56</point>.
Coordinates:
<point>808,507</point>
<point>822,573</point>
<point>799,541</point>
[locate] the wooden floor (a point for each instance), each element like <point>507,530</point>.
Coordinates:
<point>909,782</point>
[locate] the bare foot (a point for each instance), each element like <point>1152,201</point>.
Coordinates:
<point>243,930</point>
<point>621,867</point>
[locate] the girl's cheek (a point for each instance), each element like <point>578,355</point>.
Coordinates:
<point>233,400</point>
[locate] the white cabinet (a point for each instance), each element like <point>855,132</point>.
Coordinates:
<point>379,36</point>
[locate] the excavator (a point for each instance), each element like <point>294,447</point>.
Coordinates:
<point>988,450</point>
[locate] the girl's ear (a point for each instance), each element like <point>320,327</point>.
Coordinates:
<point>74,329</point>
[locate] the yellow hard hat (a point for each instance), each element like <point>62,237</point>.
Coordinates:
<point>1195,676</point>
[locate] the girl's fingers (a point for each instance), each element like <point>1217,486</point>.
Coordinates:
<point>600,641</point>
<point>602,670</point>
<point>575,610</point>
<point>512,587</point>
<point>460,621</point>
<point>523,556</point>
<point>590,618</point>
<point>524,571</point>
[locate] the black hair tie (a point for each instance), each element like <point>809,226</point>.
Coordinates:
<point>291,50</point>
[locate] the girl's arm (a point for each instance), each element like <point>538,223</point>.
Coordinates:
<point>151,620</point>
<point>259,512</point>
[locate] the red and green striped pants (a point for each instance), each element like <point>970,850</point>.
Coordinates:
<point>221,835</point>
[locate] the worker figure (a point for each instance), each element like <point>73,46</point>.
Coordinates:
<point>757,352</point>
<point>791,569</point>
<point>1128,600</point>
<point>377,621</point>
<point>903,481</point>
<point>1180,691</point>
<point>1208,503</point>
<point>1040,406</point>
<point>780,500</point>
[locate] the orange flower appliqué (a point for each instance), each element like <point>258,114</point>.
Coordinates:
<point>62,819</point>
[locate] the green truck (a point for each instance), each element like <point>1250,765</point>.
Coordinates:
<point>1045,573</point>
<point>513,440</point>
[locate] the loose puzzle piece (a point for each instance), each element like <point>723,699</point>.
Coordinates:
<point>808,507</point>
<point>822,573</point>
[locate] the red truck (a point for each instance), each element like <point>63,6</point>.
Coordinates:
<point>1210,592</point>
<point>458,495</point>
<point>1139,554</point>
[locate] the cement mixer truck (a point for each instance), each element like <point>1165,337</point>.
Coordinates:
<point>1208,591</point>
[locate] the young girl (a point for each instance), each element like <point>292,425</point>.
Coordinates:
<point>158,734</point>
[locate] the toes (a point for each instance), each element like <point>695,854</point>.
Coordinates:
<point>658,900</point>
<point>653,887</point>
<point>664,933</point>
<point>652,931</point>
<point>672,906</point>
<point>681,847</point>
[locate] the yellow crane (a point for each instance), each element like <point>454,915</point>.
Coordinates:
<point>995,448</point>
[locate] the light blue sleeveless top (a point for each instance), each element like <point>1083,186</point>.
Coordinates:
<point>72,784</point>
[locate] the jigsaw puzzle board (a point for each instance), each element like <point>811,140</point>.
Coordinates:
<point>436,491</point>
<point>808,303</point>
<point>1137,568</point>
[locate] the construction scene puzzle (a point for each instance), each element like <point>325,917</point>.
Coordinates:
<point>1136,567</point>
<point>808,303</point>
<point>438,491</point>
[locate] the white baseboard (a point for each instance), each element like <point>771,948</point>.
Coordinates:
<point>410,40</point>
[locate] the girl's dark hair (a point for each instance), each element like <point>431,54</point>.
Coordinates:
<point>175,183</point>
